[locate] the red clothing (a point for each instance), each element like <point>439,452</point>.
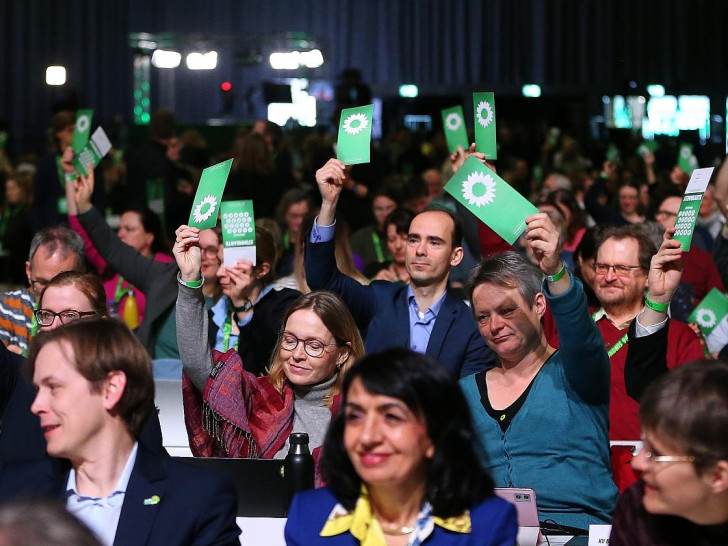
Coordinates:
<point>700,271</point>
<point>239,414</point>
<point>490,242</point>
<point>110,277</point>
<point>624,423</point>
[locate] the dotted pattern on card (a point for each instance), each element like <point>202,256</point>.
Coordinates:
<point>238,223</point>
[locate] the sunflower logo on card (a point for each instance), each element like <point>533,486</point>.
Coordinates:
<point>208,204</point>
<point>355,124</point>
<point>484,113</point>
<point>453,121</point>
<point>706,318</point>
<point>479,189</point>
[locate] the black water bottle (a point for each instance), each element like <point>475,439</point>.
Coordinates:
<point>298,465</point>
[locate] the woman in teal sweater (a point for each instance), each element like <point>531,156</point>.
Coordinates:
<point>541,417</point>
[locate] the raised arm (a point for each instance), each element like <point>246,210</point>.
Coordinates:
<point>330,180</point>
<point>191,314</point>
<point>135,268</point>
<point>586,364</point>
<point>662,280</point>
<point>320,262</point>
<point>647,342</point>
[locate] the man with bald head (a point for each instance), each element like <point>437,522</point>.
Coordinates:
<point>52,251</point>
<point>421,316</point>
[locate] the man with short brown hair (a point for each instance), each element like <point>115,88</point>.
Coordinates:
<point>623,263</point>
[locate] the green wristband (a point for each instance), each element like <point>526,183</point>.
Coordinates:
<point>557,276</point>
<point>659,307</point>
<point>190,284</point>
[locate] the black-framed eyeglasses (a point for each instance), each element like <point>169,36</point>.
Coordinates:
<point>313,347</point>
<point>620,270</point>
<point>45,317</point>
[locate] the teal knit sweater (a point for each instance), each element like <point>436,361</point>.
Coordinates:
<point>558,442</point>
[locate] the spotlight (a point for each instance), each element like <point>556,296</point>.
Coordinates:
<point>408,90</point>
<point>284,60</point>
<point>293,60</point>
<point>56,75</point>
<point>202,61</point>
<point>656,90</point>
<point>311,59</point>
<point>166,59</point>
<point>531,90</point>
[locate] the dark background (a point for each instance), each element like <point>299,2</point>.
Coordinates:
<point>577,50</point>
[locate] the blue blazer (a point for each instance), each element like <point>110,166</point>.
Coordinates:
<point>196,507</point>
<point>494,523</point>
<point>381,312</point>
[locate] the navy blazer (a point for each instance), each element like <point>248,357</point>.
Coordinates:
<point>196,506</point>
<point>381,312</point>
<point>494,523</point>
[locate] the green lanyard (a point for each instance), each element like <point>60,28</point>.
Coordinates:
<point>617,346</point>
<point>286,240</point>
<point>377,246</point>
<point>121,292</point>
<point>226,331</point>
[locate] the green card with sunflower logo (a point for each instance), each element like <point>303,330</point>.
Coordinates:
<point>82,130</point>
<point>686,160</point>
<point>209,195</point>
<point>491,199</point>
<point>453,123</point>
<point>484,106</point>
<point>355,135</point>
<point>709,312</point>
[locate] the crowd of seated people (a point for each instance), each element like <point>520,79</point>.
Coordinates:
<point>419,392</point>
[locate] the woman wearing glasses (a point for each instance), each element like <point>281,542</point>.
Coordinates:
<point>682,497</point>
<point>233,413</point>
<point>70,296</point>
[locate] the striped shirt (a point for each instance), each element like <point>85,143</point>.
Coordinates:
<point>16,318</point>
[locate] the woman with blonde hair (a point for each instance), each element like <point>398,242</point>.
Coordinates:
<point>230,412</point>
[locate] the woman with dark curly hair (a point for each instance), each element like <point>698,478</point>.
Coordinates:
<point>400,466</point>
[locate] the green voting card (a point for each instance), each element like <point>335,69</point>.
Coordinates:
<point>688,213</point>
<point>238,232</point>
<point>647,147</point>
<point>3,139</point>
<point>484,106</point>
<point>685,158</point>
<point>81,130</point>
<point>453,123</point>
<point>491,199</point>
<point>709,312</point>
<point>93,152</point>
<point>355,135</point>
<point>209,195</point>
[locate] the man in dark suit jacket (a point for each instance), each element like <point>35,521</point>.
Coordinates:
<point>95,390</point>
<point>421,316</point>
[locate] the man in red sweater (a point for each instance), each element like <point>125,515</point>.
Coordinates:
<point>622,266</point>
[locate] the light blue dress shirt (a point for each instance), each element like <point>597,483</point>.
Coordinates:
<point>101,515</point>
<point>421,323</point>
